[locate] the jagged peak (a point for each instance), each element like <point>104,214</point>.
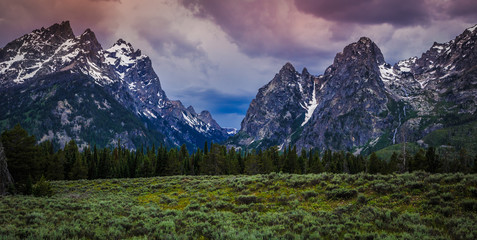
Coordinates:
<point>205,113</point>
<point>472,29</point>
<point>191,110</point>
<point>121,42</point>
<point>363,49</point>
<point>62,29</point>
<point>305,72</point>
<point>365,40</point>
<point>123,46</point>
<point>288,67</point>
<point>89,38</point>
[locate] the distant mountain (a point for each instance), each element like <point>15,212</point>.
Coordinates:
<point>60,86</point>
<point>361,103</point>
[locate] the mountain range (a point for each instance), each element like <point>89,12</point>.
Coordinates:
<point>63,87</point>
<point>362,104</point>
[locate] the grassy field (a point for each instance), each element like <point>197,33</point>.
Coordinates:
<point>284,206</point>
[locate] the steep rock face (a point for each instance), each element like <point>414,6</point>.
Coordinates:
<point>350,101</point>
<point>68,106</point>
<point>126,74</point>
<point>278,109</point>
<point>361,103</point>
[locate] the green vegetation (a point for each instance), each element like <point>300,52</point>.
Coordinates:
<point>28,161</point>
<point>462,136</point>
<point>276,205</point>
<point>328,195</point>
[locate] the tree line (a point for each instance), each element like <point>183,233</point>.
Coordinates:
<point>29,161</point>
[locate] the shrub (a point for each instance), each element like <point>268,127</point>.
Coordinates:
<point>362,199</point>
<point>473,192</point>
<point>42,188</point>
<point>447,196</point>
<point>247,199</point>
<point>414,185</point>
<point>383,188</point>
<point>309,194</point>
<point>469,205</point>
<point>341,193</point>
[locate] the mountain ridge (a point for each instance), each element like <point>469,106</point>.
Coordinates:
<point>361,103</point>
<point>123,72</point>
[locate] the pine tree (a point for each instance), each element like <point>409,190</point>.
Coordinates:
<point>22,155</point>
<point>232,162</point>
<point>79,169</point>
<point>374,164</point>
<point>291,160</point>
<point>268,159</point>
<point>55,167</point>
<point>184,160</point>
<point>301,166</point>
<point>474,169</point>
<point>71,156</point>
<point>393,164</point>
<point>315,163</point>
<point>206,148</point>
<point>418,162</point>
<point>251,164</point>
<point>432,161</point>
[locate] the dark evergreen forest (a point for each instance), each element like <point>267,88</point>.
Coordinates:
<point>29,161</point>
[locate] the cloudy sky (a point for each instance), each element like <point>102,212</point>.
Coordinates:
<point>215,54</point>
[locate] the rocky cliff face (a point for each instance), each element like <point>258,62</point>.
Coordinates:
<point>275,118</point>
<point>121,71</point>
<point>361,103</point>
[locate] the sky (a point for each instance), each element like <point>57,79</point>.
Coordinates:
<point>216,54</point>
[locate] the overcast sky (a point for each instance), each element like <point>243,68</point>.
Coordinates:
<point>216,54</point>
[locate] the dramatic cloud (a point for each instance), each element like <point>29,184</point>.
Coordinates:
<point>403,12</point>
<point>266,28</point>
<point>461,8</point>
<point>216,54</point>
<point>22,16</point>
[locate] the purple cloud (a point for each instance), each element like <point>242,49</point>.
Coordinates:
<point>401,13</point>
<point>259,28</point>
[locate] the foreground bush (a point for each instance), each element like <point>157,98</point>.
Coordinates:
<point>42,188</point>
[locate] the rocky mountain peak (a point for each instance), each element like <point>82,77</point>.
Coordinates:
<point>191,109</point>
<point>58,30</point>
<point>472,29</point>
<point>364,51</point>
<point>206,117</point>
<point>122,47</point>
<point>122,72</point>
<point>89,38</point>
<point>288,67</point>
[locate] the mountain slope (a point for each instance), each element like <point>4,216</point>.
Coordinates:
<point>123,73</point>
<point>361,103</point>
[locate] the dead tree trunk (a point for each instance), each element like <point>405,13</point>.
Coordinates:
<point>5,176</point>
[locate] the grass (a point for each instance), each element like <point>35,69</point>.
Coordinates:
<point>287,206</point>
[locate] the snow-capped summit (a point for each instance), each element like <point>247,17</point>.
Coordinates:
<point>123,72</point>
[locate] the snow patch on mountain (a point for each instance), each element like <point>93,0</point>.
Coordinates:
<point>311,106</point>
